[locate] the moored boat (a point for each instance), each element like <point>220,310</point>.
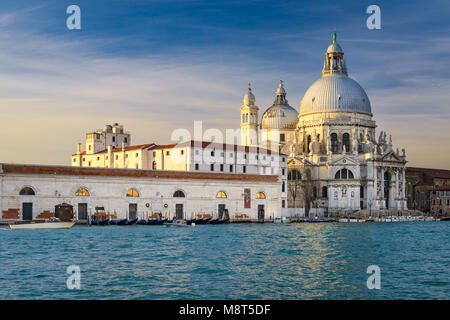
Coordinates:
<point>178,223</point>
<point>41,224</point>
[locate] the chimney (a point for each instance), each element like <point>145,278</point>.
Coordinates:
<point>80,148</point>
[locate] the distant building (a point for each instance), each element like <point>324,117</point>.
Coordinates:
<point>425,185</point>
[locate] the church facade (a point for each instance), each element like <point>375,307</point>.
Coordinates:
<point>336,162</point>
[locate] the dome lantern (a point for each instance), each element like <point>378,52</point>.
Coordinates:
<point>249,98</point>
<point>334,62</point>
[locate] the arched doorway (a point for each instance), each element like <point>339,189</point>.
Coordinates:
<point>387,182</point>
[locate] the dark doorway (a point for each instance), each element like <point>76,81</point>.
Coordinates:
<point>387,182</point>
<point>221,210</point>
<point>27,211</point>
<point>260,212</point>
<point>179,210</point>
<point>132,211</point>
<point>82,211</point>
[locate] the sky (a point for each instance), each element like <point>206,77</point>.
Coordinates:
<point>155,66</point>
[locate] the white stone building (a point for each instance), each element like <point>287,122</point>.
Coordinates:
<point>32,192</point>
<point>332,143</point>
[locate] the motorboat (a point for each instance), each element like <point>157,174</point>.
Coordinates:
<point>52,223</point>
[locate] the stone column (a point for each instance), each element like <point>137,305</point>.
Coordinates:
<point>375,186</point>
<point>382,204</point>
<point>397,202</point>
<point>404,205</point>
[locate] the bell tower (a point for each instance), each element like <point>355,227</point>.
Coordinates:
<point>249,120</point>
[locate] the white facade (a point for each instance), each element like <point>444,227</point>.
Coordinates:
<point>107,188</point>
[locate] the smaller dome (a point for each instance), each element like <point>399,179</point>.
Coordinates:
<point>249,98</point>
<point>334,47</point>
<point>280,115</point>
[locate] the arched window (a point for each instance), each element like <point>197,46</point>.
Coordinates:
<point>178,194</point>
<point>334,143</point>
<point>346,142</point>
<point>344,174</point>
<point>82,192</point>
<point>361,192</point>
<point>294,175</point>
<point>154,165</point>
<point>221,194</point>
<point>308,143</point>
<point>260,195</point>
<point>132,193</point>
<point>26,191</point>
<point>324,192</point>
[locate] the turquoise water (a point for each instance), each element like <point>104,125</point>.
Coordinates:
<point>235,261</point>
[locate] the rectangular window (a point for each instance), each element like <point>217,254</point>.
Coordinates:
<point>221,167</point>
<point>89,163</point>
<point>282,137</point>
<point>98,158</point>
<point>74,159</point>
<point>282,172</point>
<point>114,139</point>
<point>231,168</point>
<point>283,187</point>
<point>137,155</point>
<point>154,154</point>
<point>196,166</point>
<point>244,169</point>
<point>90,147</point>
<point>283,203</point>
<point>126,140</point>
<point>167,153</point>
<point>126,156</point>
<point>212,166</point>
<point>84,159</point>
<point>283,159</point>
<point>212,153</point>
<point>182,152</point>
<point>117,157</point>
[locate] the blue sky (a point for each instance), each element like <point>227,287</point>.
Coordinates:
<point>159,65</point>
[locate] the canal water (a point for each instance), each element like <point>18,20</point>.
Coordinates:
<point>235,261</point>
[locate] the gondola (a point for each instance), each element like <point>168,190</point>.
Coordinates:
<point>219,221</point>
<point>131,222</point>
<point>121,222</point>
<point>201,220</point>
<point>103,222</point>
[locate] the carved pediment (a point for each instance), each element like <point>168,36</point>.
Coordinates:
<point>344,161</point>
<point>391,156</point>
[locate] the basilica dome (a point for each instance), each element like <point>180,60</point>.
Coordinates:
<point>335,91</point>
<point>280,115</point>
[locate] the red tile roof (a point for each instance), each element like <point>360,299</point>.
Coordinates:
<point>220,146</point>
<point>131,173</point>
<point>127,148</point>
<point>192,143</point>
<point>435,173</point>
